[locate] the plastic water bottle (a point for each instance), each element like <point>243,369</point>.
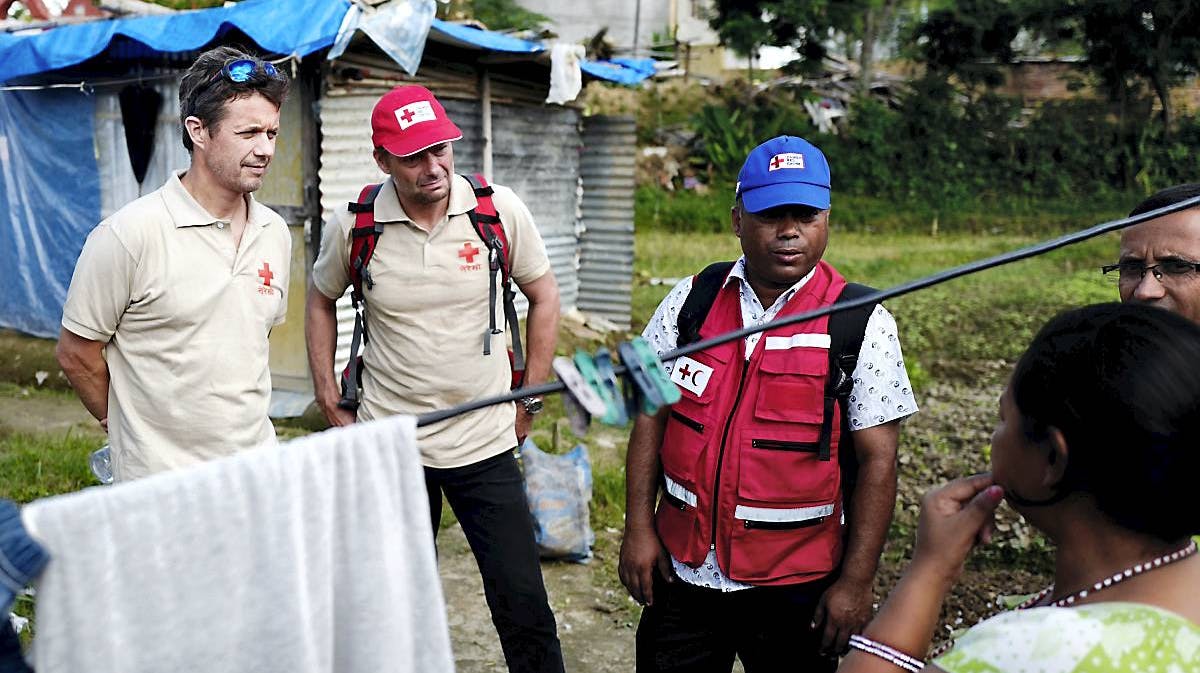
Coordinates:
<point>101,462</point>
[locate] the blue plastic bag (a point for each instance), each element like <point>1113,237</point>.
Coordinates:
<point>559,490</point>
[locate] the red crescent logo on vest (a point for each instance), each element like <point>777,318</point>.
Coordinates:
<point>691,375</point>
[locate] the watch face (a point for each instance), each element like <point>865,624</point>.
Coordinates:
<point>532,404</point>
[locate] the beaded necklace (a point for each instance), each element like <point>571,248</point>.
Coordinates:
<point>1067,601</point>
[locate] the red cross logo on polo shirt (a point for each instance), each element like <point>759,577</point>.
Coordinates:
<point>468,252</point>
<point>407,116</point>
<point>684,371</point>
<point>266,274</point>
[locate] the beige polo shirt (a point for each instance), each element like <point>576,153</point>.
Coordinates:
<point>427,315</point>
<point>185,315</point>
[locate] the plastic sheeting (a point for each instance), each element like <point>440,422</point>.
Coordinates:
<point>297,27</point>
<point>559,490</point>
<point>49,201</point>
<point>466,36</point>
<point>628,71</point>
<point>398,28</point>
<point>118,186</point>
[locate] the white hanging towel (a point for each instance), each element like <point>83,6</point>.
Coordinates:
<point>566,75</point>
<point>312,556</point>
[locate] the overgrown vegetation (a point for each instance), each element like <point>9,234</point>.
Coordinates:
<point>942,152</point>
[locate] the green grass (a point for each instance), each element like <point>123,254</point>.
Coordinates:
<point>978,319</point>
<point>35,466</point>
<point>25,357</point>
<point>685,211</point>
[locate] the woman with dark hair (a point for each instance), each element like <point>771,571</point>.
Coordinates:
<point>1098,446</point>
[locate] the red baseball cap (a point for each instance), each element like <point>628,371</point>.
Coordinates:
<point>409,119</point>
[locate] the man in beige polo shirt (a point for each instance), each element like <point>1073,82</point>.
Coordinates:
<point>164,331</point>
<point>426,315</point>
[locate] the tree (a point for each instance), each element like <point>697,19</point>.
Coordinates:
<point>806,26</point>
<point>968,39</point>
<point>1127,43</point>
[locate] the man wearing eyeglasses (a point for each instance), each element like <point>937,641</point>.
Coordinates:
<point>1159,262</point>
<point>164,330</point>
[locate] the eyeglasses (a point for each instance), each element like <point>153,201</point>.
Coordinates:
<point>243,69</point>
<point>1134,270</point>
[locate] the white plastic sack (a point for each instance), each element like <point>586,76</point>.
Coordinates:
<point>559,490</point>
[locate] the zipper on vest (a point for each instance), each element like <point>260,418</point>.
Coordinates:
<point>721,453</point>
<point>784,525</point>
<point>698,427</point>
<point>780,445</point>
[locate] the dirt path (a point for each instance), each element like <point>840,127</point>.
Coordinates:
<point>593,625</point>
<point>27,411</point>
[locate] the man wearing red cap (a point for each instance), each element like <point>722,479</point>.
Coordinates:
<point>427,306</point>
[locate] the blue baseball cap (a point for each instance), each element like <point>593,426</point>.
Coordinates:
<point>784,171</point>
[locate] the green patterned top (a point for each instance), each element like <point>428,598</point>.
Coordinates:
<point>1096,638</point>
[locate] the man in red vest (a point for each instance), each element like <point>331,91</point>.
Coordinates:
<point>750,553</point>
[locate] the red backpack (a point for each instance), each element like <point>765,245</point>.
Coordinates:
<point>364,237</point>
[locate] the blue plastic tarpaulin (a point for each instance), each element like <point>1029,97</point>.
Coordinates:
<point>297,27</point>
<point>628,71</point>
<point>49,201</point>
<point>485,39</point>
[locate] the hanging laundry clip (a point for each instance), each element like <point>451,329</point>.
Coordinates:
<point>591,375</point>
<point>617,414</point>
<point>654,388</point>
<point>581,401</point>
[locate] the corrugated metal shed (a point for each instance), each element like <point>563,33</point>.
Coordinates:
<point>607,170</point>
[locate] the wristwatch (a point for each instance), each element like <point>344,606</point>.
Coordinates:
<point>533,405</point>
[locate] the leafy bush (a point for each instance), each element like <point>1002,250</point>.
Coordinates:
<point>942,151</point>
<point>741,120</point>
<point>683,211</point>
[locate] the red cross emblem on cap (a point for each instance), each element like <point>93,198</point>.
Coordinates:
<point>468,252</point>
<point>407,116</point>
<point>775,161</point>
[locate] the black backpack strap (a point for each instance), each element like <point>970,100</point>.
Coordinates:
<point>485,220</point>
<point>694,311</point>
<point>846,332</point>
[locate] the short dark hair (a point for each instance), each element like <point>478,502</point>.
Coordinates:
<point>1167,197</point>
<point>203,92</point>
<point>1121,382</point>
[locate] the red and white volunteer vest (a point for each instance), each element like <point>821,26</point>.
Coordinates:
<point>740,454</point>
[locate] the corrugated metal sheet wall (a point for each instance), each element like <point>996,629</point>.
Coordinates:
<point>535,152</point>
<point>607,169</point>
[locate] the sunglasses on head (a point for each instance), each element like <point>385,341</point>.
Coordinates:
<point>243,69</point>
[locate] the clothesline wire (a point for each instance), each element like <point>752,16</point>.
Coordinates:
<point>872,298</point>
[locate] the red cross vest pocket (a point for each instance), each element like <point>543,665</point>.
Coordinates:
<point>785,545</point>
